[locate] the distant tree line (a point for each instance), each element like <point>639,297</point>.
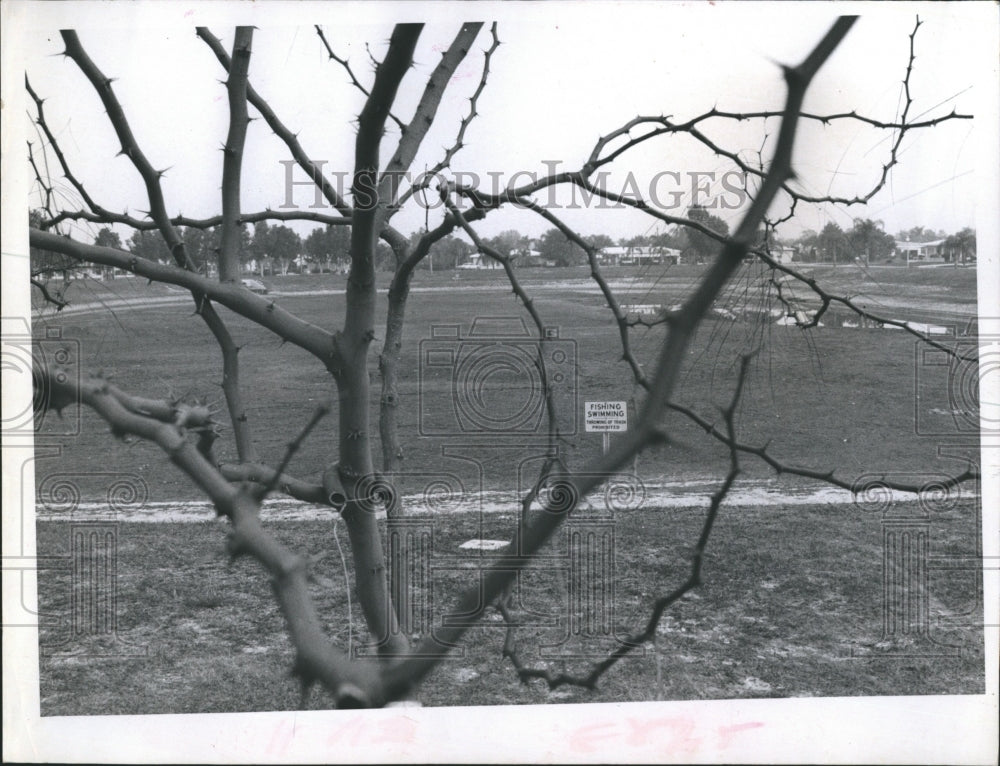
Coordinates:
<point>868,241</point>
<point>279,249</point>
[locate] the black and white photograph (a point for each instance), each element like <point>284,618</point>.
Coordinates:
<point>501,382</point>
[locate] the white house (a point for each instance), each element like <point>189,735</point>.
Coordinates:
<point>920,251</point>
<point>477,261</point>
<point>638,255</point>
<point>611,255</point>
<point>529,256</point>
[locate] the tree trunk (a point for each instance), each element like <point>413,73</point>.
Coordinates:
<point>392,452</point>
<point>356,467</point>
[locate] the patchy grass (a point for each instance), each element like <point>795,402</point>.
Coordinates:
<point>792,605</point>
<point>848,277</point>
<point>829,398</point>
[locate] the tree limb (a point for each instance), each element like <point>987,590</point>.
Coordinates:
<point>423,117</point>
<point>258,473</point>
<point>459,143</point>
<point>229,249</point>
<point>497,577</point>
<point>290,139</point>
<point>195,223</point>
<point>353,684</point>
<point>263,311</point>
<point>648,633</point>
<point>158,212</point>
<point>355,340</point>
<point>47,296</point>
<point>350,73</point>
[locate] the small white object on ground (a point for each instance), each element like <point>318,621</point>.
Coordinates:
<point>483,545</point>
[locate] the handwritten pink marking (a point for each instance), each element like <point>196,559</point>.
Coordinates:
<point>728,733</point>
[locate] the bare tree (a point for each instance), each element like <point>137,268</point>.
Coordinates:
<point>381,185</point>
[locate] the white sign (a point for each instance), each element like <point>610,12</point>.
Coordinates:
<point>605,417</point>
<point>641,308</point>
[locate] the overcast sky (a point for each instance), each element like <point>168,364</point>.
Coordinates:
<point>565,74</point>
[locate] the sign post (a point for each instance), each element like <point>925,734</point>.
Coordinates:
<point>605,418</point>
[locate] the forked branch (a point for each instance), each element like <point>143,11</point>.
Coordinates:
<point>350,73</point>
<point>423,116</point>
<point>661,604</point>
<point>459,143</point>
<point>158,212</point>
<point>263,311</point>
<point>528,541</point>
<point>352,683</point>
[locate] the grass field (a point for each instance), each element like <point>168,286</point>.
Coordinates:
<point>791,592</point>
<point>792,606</point>
<point>827,398</point>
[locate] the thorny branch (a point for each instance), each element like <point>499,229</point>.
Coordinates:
<point>665,126</point>
<point>40,179</point>
<point>314,170</point>
<point>526,542</point>
<point>827,298</point>
<point>54,144</point>
<point>264,311</point>
<point>595,272</point>
<point>828,477</point>
<point>158,212</point>
<point>300,489</point>
<point>354,385</point>
<point>278,475</point>
<point>353,683</point>
<point>589,681</point>
<point>195,223</point>
<point>359,683</point>
<point>529,305</point>
<point>55,300</point>
<point>423,118</point>
<point>350,73</point>
<point>232,162</point>
<point>459,143</point>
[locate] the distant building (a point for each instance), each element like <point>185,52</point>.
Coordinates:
<point>529,256</point>
<point>920,251</point>
<point>477,261</point>
<point>638,255</point>
<point>101,273</point>
<point>612,255</point>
